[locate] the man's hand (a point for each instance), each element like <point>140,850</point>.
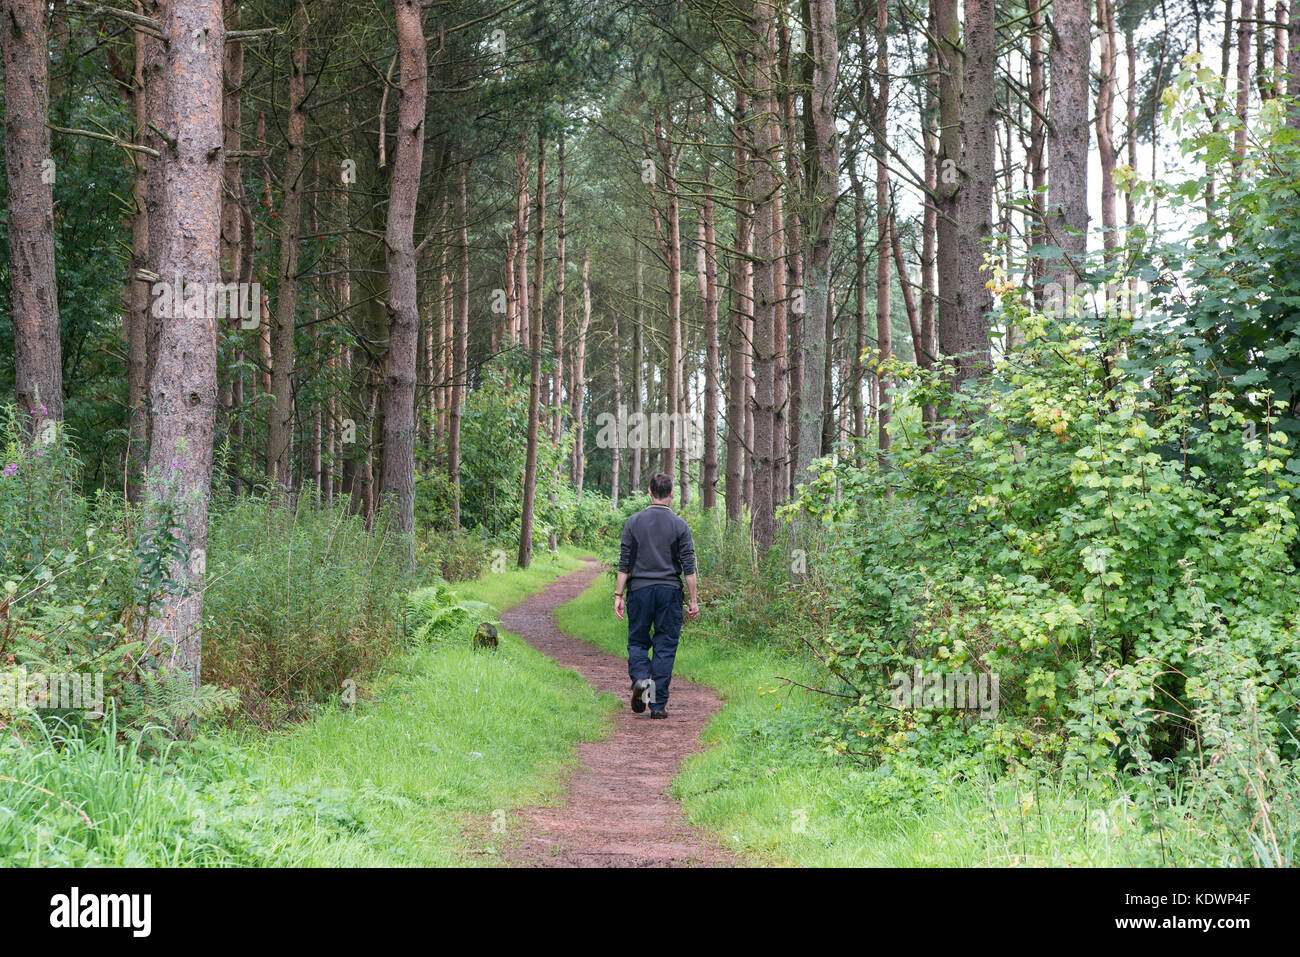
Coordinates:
<point>618,607</point>
<point>693,605</point>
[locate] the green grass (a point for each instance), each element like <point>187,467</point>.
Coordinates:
<point>765,788</point>
<point>447,737</point>
<point>450,740</point>
<point>456,735</point>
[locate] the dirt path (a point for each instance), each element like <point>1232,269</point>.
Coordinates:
<point>617,811</point>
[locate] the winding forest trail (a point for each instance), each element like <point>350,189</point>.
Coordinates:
<point>616,811</point>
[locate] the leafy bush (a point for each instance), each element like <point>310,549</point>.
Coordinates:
<point>1104,537</point>
<point>451,556</point>
<point>79,575</point>
<point>433,614</point>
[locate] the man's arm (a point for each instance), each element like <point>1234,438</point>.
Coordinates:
<point>626,557</point>
<point>686,552</point>
<point>619,590</point>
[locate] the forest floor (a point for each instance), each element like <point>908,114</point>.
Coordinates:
<point>616,810</point>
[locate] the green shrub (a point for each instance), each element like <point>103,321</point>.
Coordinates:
<point>433,613</point>
<point>300,600</point>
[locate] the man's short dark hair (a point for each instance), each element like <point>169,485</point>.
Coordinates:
<point>661,486</point>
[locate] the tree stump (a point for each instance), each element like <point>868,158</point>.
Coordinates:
<point>485,636</point>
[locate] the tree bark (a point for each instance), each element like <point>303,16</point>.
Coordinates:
<point>884,213</point>
<point>860,309</point>
<point>283,354</point>
<point>670,238</point>
<point>460,342</point>
<point>974,212</point>
<point>616,361</point>
<point>561,268</point>
<point>184,248</point>
<point>535,377</point>
<point>578,393</point>
<point>736,342</point>
<point>763,190</point>
<point>1067,137</point>
<point>38,363</point>
<point>638,357</point>
<point>1245,24</point>
<point>398,487</point>
<point>821,145</point>
<point>137,291</point>
<point>948,50</point>
<point>712,360</point>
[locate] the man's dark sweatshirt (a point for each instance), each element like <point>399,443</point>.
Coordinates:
<point>656,548</point>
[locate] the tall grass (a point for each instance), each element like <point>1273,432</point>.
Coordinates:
<point>300,599</point>
<point>449,736</point>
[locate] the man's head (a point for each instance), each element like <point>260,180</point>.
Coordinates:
<point>661,488</point>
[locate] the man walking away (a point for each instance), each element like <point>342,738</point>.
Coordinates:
<point>656,551</point>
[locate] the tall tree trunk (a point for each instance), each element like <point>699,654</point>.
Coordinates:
<point>795,63</point>
<point>929,219</point>
<point>561,267</point>
<point>974,213</point>
<point>748,338</point>
<point>1245,24</point>
<point>237,260</point>
<point>578,393</point>
<point>1037,157</point>
<point>1067,137</point>
<point>38,363</point>
<point>638,358</point>
<point>535,377</point>
<point>184,244</point>
<point>821,145</point>
<point>948,164</point>
<point>523,309</point>
<point>736,342</point>
<point>1131,130</point>
<point>884,214</point>
<point>1106,123</point>
<point>403,311</point>
<point>780,327</point>
<point>317,410</point>
<point>616,451</point>
<point>1279,47</point>
<point>712,360</point>
<point>278,463</point>
<point>671,240</point>
<point>137,291</point>
<point>460,342</point>
<point>512,279</point>
<point>766,225</point>
<point>860,310</point>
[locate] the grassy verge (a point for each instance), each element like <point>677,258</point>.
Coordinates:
<point>447,736</point>
<point>765,788</point>
<point>455,735</point>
